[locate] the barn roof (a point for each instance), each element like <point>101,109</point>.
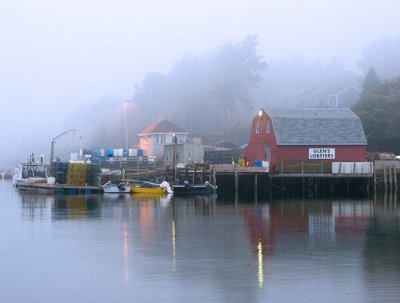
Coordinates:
<point>322,126</point>
<point>162,126</point>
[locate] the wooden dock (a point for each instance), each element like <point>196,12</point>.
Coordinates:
<point>313,180</point>
<point>237,172</point>
<point>45,188</point>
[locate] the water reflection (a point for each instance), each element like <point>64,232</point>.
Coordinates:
<point>76,207</point>
<point>260,265</point>
<point>126,252</point>
<point>173,233</point>
<point>339,250</point>
<point>381,251</point>
<point>36,207</point>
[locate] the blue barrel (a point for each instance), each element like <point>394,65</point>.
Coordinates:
<point>140,152</point>
<point>257,163</point>
<point>125,152</point>
<point>95,153</point>
<point>109,153</point>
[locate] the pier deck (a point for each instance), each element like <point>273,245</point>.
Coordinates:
<point>316,179</point>
<point>59,188</point>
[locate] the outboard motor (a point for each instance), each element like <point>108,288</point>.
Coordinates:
<point>166,187</point>
<point>208,184</point>
<point>121,186</point>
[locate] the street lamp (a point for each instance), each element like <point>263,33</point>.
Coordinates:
<point>126,102</point>
<point>54,141</point>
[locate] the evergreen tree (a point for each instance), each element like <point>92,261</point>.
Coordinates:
<point>205,93</point>
<point>379,110</point>
<point>371,82</point>
<point>236,70</point>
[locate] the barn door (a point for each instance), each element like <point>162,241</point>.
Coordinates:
<point>268,153</point>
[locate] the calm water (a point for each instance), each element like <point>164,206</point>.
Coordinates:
<point>125,249</point>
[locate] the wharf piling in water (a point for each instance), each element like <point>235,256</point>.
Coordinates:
<point>386,172</point>
<point>306,180</point>
<point>236,179</point>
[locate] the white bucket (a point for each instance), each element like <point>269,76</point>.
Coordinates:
<point>367,167</point>
<point>335,167</point>
<point>265,165</point>
<point>347,167</point>
<point>358,168</point>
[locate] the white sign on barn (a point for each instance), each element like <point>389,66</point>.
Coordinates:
<point>321,153</point>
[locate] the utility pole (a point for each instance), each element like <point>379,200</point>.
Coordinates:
<point>174,154</point>
<point>126,102</point>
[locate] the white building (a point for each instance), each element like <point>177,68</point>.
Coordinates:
<point>155,136</point>
<point>185,153</point>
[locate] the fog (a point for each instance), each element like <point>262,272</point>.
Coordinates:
<point>71,64</point>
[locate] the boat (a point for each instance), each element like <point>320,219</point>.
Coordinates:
<point>120,188</point>
<point>5,174</point>
<point>145,187</point>
<point>196,189</point>
<point>30,172</point>
<point>43,178</point>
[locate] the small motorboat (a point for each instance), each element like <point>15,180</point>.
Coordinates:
<point>111,188</point>
<point>197,189</point>
<point>144,187</point>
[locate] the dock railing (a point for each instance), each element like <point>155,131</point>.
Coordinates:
<point>323,167</point>
<point>302,166</point>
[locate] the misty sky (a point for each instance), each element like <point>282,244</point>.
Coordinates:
<point>61,55</point>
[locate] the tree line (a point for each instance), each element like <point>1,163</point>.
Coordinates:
<point>379,111</point>
<point>219,91</point>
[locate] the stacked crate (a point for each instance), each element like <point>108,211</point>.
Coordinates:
<point>77,174</point>
<point>93,175</point>
<point>60,170</point>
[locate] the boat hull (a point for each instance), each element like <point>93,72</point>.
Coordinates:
<point>121,188</point>
<point>147,190</point>
<point>193,190</point>
<point>117,191</point>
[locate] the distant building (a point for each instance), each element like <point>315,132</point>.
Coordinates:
<point>321,97</point>
<point>185,153</point>
<point>155,136</point>
<point>334,134</point>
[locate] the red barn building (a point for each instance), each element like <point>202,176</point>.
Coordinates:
<point>334,134</point>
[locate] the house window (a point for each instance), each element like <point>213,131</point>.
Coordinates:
<point>267,126</point>
<point>257,128</point>
<point>160,139</point>
<point>168,139</point>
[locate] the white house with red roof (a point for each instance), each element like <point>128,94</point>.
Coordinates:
<point>156,135</point>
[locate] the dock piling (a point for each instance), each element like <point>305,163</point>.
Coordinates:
<point>255,186</point>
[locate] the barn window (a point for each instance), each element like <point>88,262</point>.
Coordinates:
<point>257,128</point>
<point>267,126</point>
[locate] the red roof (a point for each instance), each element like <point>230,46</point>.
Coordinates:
<point>162,126</point>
